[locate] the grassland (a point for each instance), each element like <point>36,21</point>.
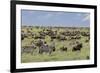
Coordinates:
<point>56,55</point>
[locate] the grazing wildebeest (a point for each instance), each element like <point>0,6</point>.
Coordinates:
<point>77,47</point>
<point>53,37</point>
<point>51,33</point>
<point>85,34</point>
<point>42,33</point>
<point>87,40</point>
<point>61,38</point>
<point>28,49</point>
<point>63,48</point>
<point>74,37</point>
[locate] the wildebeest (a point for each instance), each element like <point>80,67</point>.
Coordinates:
<point>51,33</point>
<point>61,38</point>
<point>77,47</point>
<point>85,34</point>
<point>87,40</point>
<point>39,36</point>
<point>63,48</point>
<point>42,33</point>
<point>28,49</point>
<point>70,33</point>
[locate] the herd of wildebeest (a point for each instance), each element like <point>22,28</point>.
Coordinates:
<point>44,40</point>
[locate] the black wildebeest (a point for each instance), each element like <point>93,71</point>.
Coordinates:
<point>77,47</point>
